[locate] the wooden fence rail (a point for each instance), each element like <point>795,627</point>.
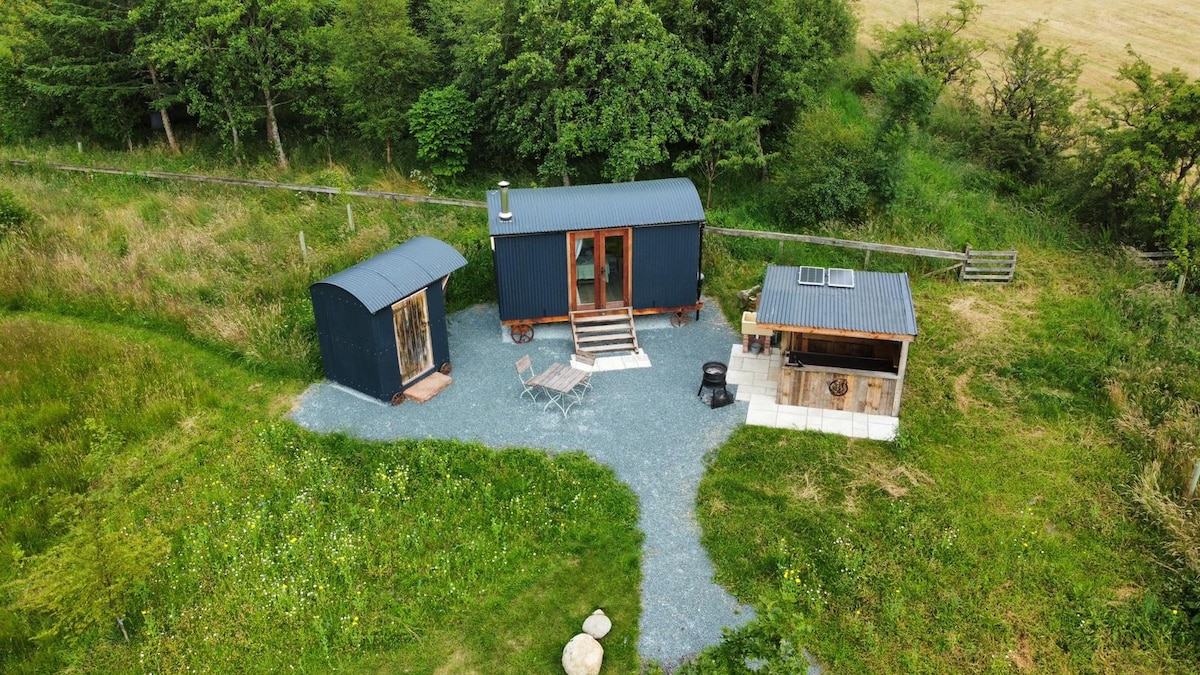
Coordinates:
<point>247,182</point>
<point>972,265</point>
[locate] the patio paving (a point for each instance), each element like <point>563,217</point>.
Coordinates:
<point>644,421</point>
<point>757,380</point>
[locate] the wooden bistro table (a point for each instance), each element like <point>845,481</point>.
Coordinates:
<point>559,381</point>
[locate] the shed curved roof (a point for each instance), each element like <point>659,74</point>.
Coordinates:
<point>664,201</point>
<point>380,281</point>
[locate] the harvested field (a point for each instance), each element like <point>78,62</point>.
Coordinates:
<point>1162,31</point>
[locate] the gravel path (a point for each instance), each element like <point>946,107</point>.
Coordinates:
<point>647,424</point>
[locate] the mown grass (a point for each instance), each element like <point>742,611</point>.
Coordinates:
<point>147,479</point>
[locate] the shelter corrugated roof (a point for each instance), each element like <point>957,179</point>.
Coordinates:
<point>879,303</point>
<point>594,207</point>
<point>397,273</point>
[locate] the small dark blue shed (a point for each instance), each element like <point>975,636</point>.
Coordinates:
<point>382,322</point>
<point>562,250</point>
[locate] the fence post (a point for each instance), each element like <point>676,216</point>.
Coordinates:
<point>303,247</point>
<point>350,216</point>
<point>867,261</point>
<point>962,271</point>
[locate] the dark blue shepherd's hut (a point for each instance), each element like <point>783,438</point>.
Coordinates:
<point>562,250</point>
<point>382,322</point>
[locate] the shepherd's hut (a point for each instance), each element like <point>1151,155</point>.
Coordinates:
<point>582,253</point>
<point>382,322</point>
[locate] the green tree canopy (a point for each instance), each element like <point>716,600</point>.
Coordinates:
<point>1028,118</point>
<point>380,65</point>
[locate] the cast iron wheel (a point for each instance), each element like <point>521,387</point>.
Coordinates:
<point>521,333</point>
<point>446,368</point>
<point>679,318</point>
<point>398,398</point>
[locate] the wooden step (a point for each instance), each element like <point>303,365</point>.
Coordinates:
<point>607,337</point>
<point>427,388</point>
<point>606,330</point>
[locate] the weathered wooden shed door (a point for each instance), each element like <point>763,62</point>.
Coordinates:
<point>410,317</point>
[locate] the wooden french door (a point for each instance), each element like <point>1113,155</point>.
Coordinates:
<point>598,268</point>
<point>410,317</point>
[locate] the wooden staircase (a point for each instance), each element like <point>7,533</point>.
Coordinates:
<point>604,330</point>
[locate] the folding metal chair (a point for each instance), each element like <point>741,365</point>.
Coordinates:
<point>525,365</point>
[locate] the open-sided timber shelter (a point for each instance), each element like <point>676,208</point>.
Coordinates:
<point>845,336</point>
<point>382,322</point>
<point>562,253</point>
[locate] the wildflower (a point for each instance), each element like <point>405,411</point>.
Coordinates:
<point>284,588</point>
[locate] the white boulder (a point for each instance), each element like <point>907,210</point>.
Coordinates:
<point>582,656</point>
<point>597,625</point>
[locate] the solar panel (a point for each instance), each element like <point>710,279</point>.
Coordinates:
<point>812,276</point>
<point>841,278</point>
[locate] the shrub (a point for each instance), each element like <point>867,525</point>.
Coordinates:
<point>14,217</point>
<point>825,171</point>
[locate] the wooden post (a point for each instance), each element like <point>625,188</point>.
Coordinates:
<point>79,147</point>
<point>900,378</point>
<point>867,261</point>
<point>303,247</point>
<point>1192,483</point>
<point>962,271</point>
<point>350,216</point>
<point>1179,284</point>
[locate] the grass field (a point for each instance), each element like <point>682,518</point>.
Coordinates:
<point>1162,31</point>
<point>149,480</point>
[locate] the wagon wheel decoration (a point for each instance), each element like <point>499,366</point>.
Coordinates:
<point>446,368</point>
<point>398,398</point>
<point>521,333</point>
<point>679,318</point>
<point>839,387</point>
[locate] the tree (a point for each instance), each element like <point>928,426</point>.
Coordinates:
<point>936,46</point>
<point>1028,118</point>
<point>81,57</point>
<point>1140,167</point>
<point>723,146</point>
<point>17,109</point>
<point>380,65</point>
<point>563,80</point>
<point>233,51</point>
<point>771,57</point>
<point>442,121</point>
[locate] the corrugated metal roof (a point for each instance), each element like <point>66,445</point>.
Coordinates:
<point>397,273</point>
<point>879,303</point>
<point>595,207</point>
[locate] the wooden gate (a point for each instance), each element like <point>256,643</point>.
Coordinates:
<point>410,317</point>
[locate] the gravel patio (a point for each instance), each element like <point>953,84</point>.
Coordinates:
<point>647,424</point>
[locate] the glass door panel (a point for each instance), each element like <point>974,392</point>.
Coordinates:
<point>614,270</point>
<point>585,272</point>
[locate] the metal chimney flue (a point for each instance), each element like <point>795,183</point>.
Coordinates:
<point>505,214</point>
